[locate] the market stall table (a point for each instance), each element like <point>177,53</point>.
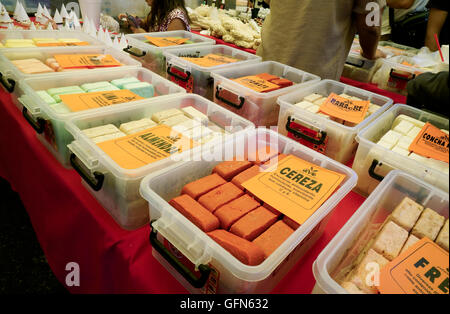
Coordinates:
<point>71,226</point>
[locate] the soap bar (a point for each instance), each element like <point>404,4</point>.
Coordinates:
<point>32,66</point>
<point>121,82</point>
<point>304,104</point>
<point>63,90</point>
<point>186,126</point>
<point>282,82</point>
<point>101,130</point>
<point>229,169</point>
<point>406,214</point>
<point>273,237</point>
<point>351,288</point>
<point>129,127</point>
<point>195,114</point>
<point>57,97</point>
<point>404,127</point>
<point>442,239</point>
<point>108,137</point>
<point>429,225</point>
<point>142,89</point>
<point>390,240</point>
<point>267,77</point>
<point>233,211</point>
<point>60,108</point>
<point>246,175</point>
<point>410,242</point>
<point>220,196</point>
<point>198,133</point>
<point>262,154</point>
<point>312,98</point>
<point>46,97</point>
<point>89,86</point>
<point>173,121</point>
<point>359,275</point>
<point>254,223</point>
<point>104,89</point>
<point>202,186</point>
<point>166,114</point>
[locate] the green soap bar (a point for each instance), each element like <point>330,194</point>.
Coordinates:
<point>103,89</point>
<point>189,42</point>
<point>61,108</point>
<point>46,97</point>
<point>97,85</point>
<point>142,89</point>
<point>58,98</point>
<point>121,82</point>
<point>65,90</point>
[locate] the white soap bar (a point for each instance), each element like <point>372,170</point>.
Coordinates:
<point>108,137</point>
<point>404,127</point>
<point>392,137</point>
<point>400,151</point>
<point>166,114</point>
<point>187,125</point>
<point>404,142</point>
<point>174,120</point>
<point>195,114</point>
<point>403,117</point>
<point>313,97</point>
<point>345,95</point>
<point>139,124</point>
<point>323,115</point>
<point>304,104</point>
<point>313,109</point>
<point>373,108</point>
<point>385,144</point>
<point>137,130</point>
<point>445,131</point>
<point>320,101</point>
<point>355,98</point>
<point>198,133</point>
<point>414,132</point>
<point>101,130</point>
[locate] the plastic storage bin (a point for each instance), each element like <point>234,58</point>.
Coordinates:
<point>373,162</point>
<point>335,140</point>
<point>197,78</point>
<point>152,56</point>
<point>10,74</point>
<point>359,68</point>
<point>18,34</point>
<point>176,240</point>
<point>260,108</point>
<point>116,188</point>
<point>50,124</point>
<point>338,256</point>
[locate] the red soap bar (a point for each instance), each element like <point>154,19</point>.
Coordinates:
<point>245,251</point>
<point>230,213</point>
<point>220,196</point>
<point>282,82</point>
<point>273,210</point>
<point>245,176</point>
<point>267,77</point>
<point>273,237</point>
<point>254,223</point>
<point>291,223</point>
<point>195,212</point>
<point>262,155</point>
<point>204,185</point>
<point>229,169</point>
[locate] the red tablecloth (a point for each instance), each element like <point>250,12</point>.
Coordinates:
<point>72,226</point>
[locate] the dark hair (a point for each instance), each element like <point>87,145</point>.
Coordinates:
<point>161,9</point>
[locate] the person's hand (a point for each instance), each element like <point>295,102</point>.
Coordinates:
<point>378,54</point>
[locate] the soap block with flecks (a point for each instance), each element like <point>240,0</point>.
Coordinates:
<point>108,137</point>
<point>406,213</point>
<point>195,114</point>
<point>101,130</point>
<point>132,126</point>
<point>166,114</point>
<point>429,225</point>
<point>390,240</point>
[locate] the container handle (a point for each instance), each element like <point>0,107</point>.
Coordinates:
<point>8,83</point>
<point>38,125</point>
<point>399,77</point>
<point>183,79</point>
<point>196,282</point>
<point>304,136</point>
<point>128,50</point>
<point>360,64</point>
<point>95,182</point>
<point>229,103</point>
<point>372,168</point>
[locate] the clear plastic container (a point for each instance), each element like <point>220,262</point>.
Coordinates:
<point>260,108</point>
<point>26,34</point>
<point>199,78</point>
<point>50,124</point>
<point>116,188</point>
<point>152,56</point>
<point>373,162</point>
<point>336,259</point>
<point>335,140</point>
<point>176,240</point>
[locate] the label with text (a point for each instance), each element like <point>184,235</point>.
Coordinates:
<point>166,41</point>
<point>257,84</point>
<point>86,101</point>
<point>431,142</point>
<point>345,109</point>
<point>211,60</point>
<point>81,61</point>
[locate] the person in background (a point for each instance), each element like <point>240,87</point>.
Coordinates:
<point>437,24</point>
<point>165,15</point>
<point>316,35</point>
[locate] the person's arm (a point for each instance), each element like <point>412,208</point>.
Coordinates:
<point>369,37</point>
<point>400,4</point>
<point>436,21</point>
<point>176,25</point>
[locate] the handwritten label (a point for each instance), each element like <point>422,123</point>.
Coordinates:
<point>81,61</point>
<point>422,269</point>
<point>345,109</point>
<point>431,142</point>
<point>257,84</point>
<point>295,187</point>
<point>211,60</point>
<point>166,41</point>
<point>81,102</point>
<point>146,147</point>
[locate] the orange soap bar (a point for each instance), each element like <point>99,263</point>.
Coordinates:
<point>262,155</point>
<point>195,212</point>
<point>245,176</point>
<point>229,169</point>
<point>245,251</point>
<point>202,186</point>
<point>273,210</point>
<point>254,223</point>
<point>230,213</point>
<point>291,223</point>
<point>282,82</point>
<point>270,240</point>
<point>220,196</point>
<point>267,77</point>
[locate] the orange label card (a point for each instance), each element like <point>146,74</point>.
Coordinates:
<point>80,61</point>
<point>422,269</point>
<point>77,43</point>
<point>295,187</point>
<point>211,60</point>
<point>345,109</point>
<point>81,102</point>
<point>146,147</point>
<point>61,44</point>
<point>431,142</point>
<point>166,41</point>
<point>257,84</point>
